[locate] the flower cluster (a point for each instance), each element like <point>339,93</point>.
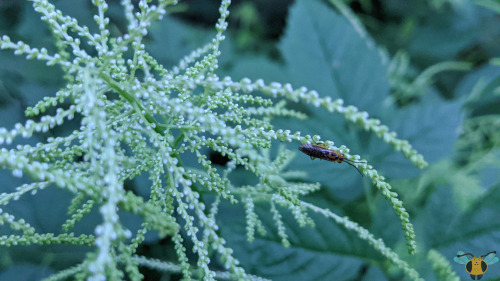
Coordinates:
<point>132,124</point>
<point>441,266</point>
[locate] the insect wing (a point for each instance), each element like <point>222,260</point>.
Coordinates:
<point>491,258</point>
<point>462,259</point>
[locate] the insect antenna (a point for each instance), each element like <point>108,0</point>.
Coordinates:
<point>466,255</point>
<point>494,252</point>
<point>352,162</point>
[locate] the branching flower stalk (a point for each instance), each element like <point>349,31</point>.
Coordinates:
<point>139,117</point>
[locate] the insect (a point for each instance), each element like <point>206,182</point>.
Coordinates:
<point>476,267</point>
<point>323,153</point>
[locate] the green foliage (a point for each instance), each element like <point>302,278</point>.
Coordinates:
<point>441,266</point>
<point>118,153</point>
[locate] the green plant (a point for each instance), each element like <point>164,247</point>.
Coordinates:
<point>136,117</point>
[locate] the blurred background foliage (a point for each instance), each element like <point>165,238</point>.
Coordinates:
<point>428,69</point>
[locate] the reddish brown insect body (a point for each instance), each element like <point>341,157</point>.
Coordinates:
<point>318,151</point>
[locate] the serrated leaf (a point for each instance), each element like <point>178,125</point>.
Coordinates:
<point>319,38</point>
<point>431,126</point>
<point>326,252</point>
<point>443,223</point>
<point>325,53</point>
<point>476,230</point>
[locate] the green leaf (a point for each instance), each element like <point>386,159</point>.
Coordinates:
<point>326,252</point>
<point>443,36</point>
<point>476,230</point>
<point>173,39</point>
<point>254,67</point>
<point>26,272</point>
<point>324,52</point>
<point>481,91</point>
<point>490,4</point>
<point>431,126</point>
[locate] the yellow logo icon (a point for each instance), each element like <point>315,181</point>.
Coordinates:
<point>476,267</point>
